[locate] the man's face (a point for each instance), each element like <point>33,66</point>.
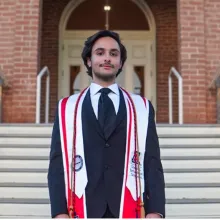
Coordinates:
<point>105,59</point>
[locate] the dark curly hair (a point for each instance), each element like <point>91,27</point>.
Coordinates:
<point>86,53</point>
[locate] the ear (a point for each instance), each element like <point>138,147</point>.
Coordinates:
<point>89,63</point>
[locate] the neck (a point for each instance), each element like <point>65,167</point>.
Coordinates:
<point>103,83</point>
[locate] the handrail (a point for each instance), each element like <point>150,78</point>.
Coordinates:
<point>44,71</point>
<point>180,95</point>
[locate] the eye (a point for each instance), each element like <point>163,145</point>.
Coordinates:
<point>99,53</point>
<point>114,54</point>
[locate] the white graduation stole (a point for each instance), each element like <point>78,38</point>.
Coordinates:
<point>70,110</point>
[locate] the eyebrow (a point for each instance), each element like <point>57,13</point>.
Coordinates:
<point>113,49</point>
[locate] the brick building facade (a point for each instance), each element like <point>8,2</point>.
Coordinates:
<point>187,36</point>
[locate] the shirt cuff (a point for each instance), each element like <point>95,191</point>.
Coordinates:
<point>159,214</point>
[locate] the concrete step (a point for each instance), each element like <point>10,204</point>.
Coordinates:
<point>189,129</point>
<point>24,201</point>
<point>25,135</point>
<point>167,164</point>
<point>23,170</point>
<point>22,164</point>
<point>39,201</point>
<point>192,170</point>
<point>204,141</point>
<point>211,177</point>
<point>24,157</point>
<point>200,177</point>
<point>189,135</point>
<point>26,129</point>
<point>189,164</point>
<point>165,152</point>
<point>41,193</point>
<point>168,185</point>
<point>24,151</point>
<point>172,210</point>
<point>23,184</point>
<point>171,170</point>
<point>193,193</point>
<point>165,141</point>
<point>17,146</point>
<point>170,135</point>
<point>23,177</point>
<point>24,217</point>
<point>10,209</point>
<point>179,146</point>
<point>192,185</point>
<point>190,157</point>
<point>161,129</point>
<point>25,140</point>
<point>24,192</point>
<point>176,152</point>
<point>192,210</point>
<point>192,146</point>
<point>195,134</point>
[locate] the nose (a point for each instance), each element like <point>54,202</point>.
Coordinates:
<point>107,61</point>
<point>107,58</point>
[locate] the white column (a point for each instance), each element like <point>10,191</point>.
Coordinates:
<point>65,80</point>
<point>84,78</point>
<point>129,71</point>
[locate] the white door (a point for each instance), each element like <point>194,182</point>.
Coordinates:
<point>137,75</point>
<point>70,80</point>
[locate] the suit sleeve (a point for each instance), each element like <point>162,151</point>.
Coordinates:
<point>56,182</point>
<point>154,196</point>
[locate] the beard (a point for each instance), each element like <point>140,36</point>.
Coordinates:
<point>105,77</point>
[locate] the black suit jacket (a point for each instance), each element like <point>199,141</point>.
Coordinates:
<point>105,165</point>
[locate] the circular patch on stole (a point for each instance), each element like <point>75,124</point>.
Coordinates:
<point>78,163</point>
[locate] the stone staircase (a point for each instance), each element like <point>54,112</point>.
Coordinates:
<point>190,156</point>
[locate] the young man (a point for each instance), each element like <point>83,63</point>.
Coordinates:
<point>105,156</point>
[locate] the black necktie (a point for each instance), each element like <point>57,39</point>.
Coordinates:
<point>106,111</point>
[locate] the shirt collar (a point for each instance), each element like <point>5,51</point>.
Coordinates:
<point>94,88</point>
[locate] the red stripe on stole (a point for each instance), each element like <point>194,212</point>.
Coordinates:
<point>79,205</point>
<point>79,202</point>
<point>145,101</point>
<point>130,205</point>
<point>63,115</point>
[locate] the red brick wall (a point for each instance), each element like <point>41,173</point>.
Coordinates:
<point>52,11</point>
<point>19,58</point>
<point>199,55</point>
<point>165,14</point>
<point>7,23</point>
<point>195,49</point>
<point>192,59</point>
<point>166,21</point>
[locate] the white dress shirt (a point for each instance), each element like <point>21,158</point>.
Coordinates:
<point>95,95</point>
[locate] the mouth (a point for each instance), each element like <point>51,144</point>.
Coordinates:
<point>107,66</point>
